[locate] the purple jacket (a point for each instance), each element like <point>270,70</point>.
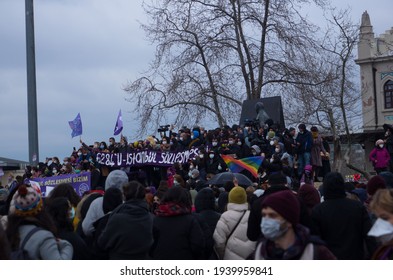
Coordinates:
<point>379,157</point>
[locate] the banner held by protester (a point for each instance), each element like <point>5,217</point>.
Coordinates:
<point>81,182</point>
<point>146,157</point>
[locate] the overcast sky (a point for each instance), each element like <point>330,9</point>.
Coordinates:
<point>86,51</point>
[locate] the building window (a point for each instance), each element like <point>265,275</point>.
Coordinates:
<point>388,93</point>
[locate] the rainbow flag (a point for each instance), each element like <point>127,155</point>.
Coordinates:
<point>250,163</point>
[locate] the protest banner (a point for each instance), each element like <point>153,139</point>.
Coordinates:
<point>146,157</point>
<point>81,182</point>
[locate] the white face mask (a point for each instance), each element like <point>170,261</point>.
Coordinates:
<point>239,143</point>
<point>79,154</point>
<point>381,146</point>
<point>214,144</point>
<point>191,167</point>
<point>201,156</point>
<point>271,143</point>
<point>271,228</point>
<point>277,150</point>
<point>164,142</point>
<point>181,138</point>
<point>211,156</point>
<point>382,229</point>
<point>231,142</point>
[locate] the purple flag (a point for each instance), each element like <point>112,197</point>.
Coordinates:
<point>76,126</point>
<point>119,124</point>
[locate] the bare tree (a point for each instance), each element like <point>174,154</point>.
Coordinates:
<point>211,55</point>
<point>334,104</point>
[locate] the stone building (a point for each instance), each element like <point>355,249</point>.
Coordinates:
<point>375,58</point>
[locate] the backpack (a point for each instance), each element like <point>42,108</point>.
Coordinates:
<point>21,253</point>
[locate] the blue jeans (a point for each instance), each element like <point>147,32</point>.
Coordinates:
<point>303,160</point>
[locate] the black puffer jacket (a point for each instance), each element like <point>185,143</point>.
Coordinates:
<point>207,217</point>
<point>177,238</point>
<point>129,232</point>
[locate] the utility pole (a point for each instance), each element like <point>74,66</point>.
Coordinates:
<point>31,84</point>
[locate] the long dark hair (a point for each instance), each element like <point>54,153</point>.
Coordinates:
<point>178,195</point>
<point>42,219</point>
<point>134,190</point>
<point>59,209</point>
<point>64,190</point>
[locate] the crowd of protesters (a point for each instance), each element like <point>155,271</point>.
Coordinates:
<point>175,213</point>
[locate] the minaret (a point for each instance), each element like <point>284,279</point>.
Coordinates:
<point>366,37</point>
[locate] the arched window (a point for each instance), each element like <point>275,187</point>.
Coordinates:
<point>388,94</point>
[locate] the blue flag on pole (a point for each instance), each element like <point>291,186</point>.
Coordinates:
<point>76,126</point>
<point>119,124</point>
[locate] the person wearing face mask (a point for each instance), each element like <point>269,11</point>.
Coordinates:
<point>341,222</point>
<point>214,164</point>
<point>380,157</point>
<point>231,242</point>
<point>232,148</point>
<point>244,149</point>
<point>62,213</point>
<point>284,238</point>
<point>195,139</point>
<point>382,207</point>
<point>215,145</point>
<point>304,143</point>
<point>184,141</point>
<point>389,143</point>
<point>165,145</point>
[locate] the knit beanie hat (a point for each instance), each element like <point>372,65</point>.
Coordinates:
<point>271,134</point>
<point>116,179</point>
<point>205,200</point>
<point>388,177</point>
<point>374,184</point>
<point>256,148</point>
<point>195,173</point>
<point>284,203</point>
<point>27,201</point>
<point>237,195</point>
<point>113,197</point>
<point>309,194</point>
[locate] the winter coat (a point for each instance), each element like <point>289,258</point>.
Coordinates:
<point>43,245</point>
<point>81,251</point>
<point>306,247</point>
<point>177,238</point>
<point>238,247</point>
<point>343,224</point>
<point>254,221</point>
<point>129,232</point>
<point>379,157</point>
<point>305,141</point>
<point>93,214</point>
<point>316,149</point>
<point>384,252</point>
<point>207,216</point>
